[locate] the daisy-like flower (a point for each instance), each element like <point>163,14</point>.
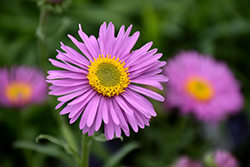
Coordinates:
<point>21,86</point>
<point>223,158</point>
<point>185,161</point>
<point>202,86</point>
<point>103,82</point>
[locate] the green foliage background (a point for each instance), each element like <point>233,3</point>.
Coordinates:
<point>220,28</point>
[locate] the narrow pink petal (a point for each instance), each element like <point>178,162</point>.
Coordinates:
<point>67,82</point>
<point>93,110</point>
<point>71,95</point>
<point>144,64</point>
<point>132,121</point>
<point>147,69</point>
<point>113,113</point>
<point>117,130</point>
<point>105,112</point>
<point>95,45</point>
<point>122,119</point>
<point>66,110</point>
<point>106,38</point>
<point>82,47</point>
<point>69,57</point>
<point>138,53</point>
<point>89,91</point>
<point>85,129</point>
<point>142,101</point>
<point>130,42</point>
<point>102,35</point>
<point>147,82</point>
<point>118,41</point>
<point>98,120</point>
<point>88,43</point>
<point>123,42</point>
<point>75,55</point>
<point>139,120</point>
<point>91,130</point>
<point>144,57</point>
<point>133,101</point>
<point>75,117</point>
<point>65,90</point>
<point>147,92</point>
<point>60,105</point>
<point>59,74</point>
<point>66,66</point>
<point>159,78</point>
<point>109,130</point>
<point>122,103</point>
<point>91,106</point>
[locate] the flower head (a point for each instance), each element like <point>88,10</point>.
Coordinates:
<point>103,83</point>
<point>225,159</point>
<point>22,86</point>
<point>220,158</point>
<point>202,86</point>
<point>185,161</point>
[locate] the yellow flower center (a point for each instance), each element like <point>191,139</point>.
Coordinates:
<point>18,92</point>
<point>108,76</point>
<point>199,88</point>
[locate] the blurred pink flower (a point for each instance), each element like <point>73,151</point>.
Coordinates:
<point>200,85</point>
<point>185,161</point>
<point>21,86</point>
<point>101,83</point>
<point>225,159</point>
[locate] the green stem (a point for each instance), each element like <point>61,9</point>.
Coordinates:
<point>41,42</point>
<point>64,127</point>
<point>86,142</point>
<point>21,136</point>
<point>41,36</point>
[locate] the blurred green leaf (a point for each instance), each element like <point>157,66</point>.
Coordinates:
<point>50,150</point>
<point>119,155</point>
<point>56,141</point>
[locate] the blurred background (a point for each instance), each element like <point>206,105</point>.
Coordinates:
<point>220,28</point>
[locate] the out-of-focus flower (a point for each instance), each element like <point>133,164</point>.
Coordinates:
<point>185,161</point>
<point>220,158</point>
<point>202,86</point>
<point>225,159</point>
<point>21,86</point>
<point>102,83</point>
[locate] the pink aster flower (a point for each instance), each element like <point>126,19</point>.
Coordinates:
<point>103,83</point>
<point>225,159</point>
<point>185,161</point>
<point>21,86</point>
<point>202,86</point>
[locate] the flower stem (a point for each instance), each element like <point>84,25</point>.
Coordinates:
<point>41,36</point>
<point>86,142</point>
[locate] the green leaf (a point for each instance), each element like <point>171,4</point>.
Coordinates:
<point>115,159</point>
<point>49,149</point>
<point>56,141</point>
<point>101,137</point>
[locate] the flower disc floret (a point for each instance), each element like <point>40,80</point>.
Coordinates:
<point>108,76</point>
<point>18,92</point>
<point>199,88</point>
